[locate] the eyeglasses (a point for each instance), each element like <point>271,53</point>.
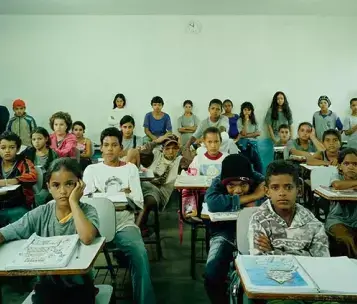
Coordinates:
<point>346,163</point>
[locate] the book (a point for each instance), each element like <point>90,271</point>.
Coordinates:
<point>219,216</point>
<point>298,274</point>
<point>8,188</point>
<point>119,197</point>
<point>192,181</point>
<point>45,252</point>
<point>329,191</point>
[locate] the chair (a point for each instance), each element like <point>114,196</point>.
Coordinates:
<point>243,220</point>
<point>103,297</point>
<point>38,186</point>
<point>78,155</point>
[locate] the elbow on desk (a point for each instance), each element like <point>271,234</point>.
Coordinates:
<point>87,240</point>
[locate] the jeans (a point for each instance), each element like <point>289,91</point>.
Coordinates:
<point>130,242</point>
<point>10,215</point>
<point>219,257</point>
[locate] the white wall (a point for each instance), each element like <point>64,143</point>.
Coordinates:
<point>78,63</point>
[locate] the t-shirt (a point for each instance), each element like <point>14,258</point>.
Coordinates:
<point>206,123</point>
<point>294,144</point>
<point>349,123</point>
<point>282,119</point>
<point>129,143</point>
<point>187,121</point>
<point>157,127</point>
<point>341,213</point>
<point>249,127</point>
<point>106,179</point>
<point>116,115</point>
<point>233,126</point>
<point>43,221</point>
<point>322,122</point>
<point>208,165</point>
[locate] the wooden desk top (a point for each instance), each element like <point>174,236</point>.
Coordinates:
<point>340,197</point>
<point>290,296</point>
<point>81,265</point>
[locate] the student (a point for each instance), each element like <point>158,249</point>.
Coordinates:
<point>350,125</point>
<point>237,187</point>
<point>21,124</point>
<point>215,119</point>
<point>65,215</point>
<point>157,123</point>
<point>233,119</point>
<point>341,221</point>
<point>113,176</point>
<point>62,142</point>
<point>84,145</point>
<point>119,111</point>
<point>284,135</point>
<point>130,141</point>
<point>281,226</point>
<point>305,144</point>
<point>187,123</point>
<point>4,118</point>
<point>325,119</point>
<point>331,139</point>
<point>279,113</point>
<point>42,156</point>
<point>15,170</point>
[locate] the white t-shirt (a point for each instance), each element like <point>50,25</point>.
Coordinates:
<point>116,115</point>
<point>207,166</point>
<point>102,178</point>
<point>349,123</point>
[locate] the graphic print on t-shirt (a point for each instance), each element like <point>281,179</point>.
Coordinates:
<point>211,170</point>
<point>113,185</point>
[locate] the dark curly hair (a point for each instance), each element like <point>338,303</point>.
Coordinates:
<point>274,107</point>
<point>248,105</point>
<point>62,115</point>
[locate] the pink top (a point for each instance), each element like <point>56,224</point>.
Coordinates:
<point>67,147</point>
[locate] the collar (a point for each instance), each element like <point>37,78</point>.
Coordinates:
<point>324,115</point>
<point>296,221</point>
<point>218,156</point>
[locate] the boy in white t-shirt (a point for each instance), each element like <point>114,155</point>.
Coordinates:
<point>113,176</point>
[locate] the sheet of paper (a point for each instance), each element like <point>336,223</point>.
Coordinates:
<point>8,188</point>
<point>119,197</point>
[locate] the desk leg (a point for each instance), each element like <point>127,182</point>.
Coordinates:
<point>193,251</point>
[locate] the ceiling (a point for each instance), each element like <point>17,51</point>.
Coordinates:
<point>180,7</point>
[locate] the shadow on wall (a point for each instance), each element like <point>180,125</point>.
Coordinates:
<point>266,151</point>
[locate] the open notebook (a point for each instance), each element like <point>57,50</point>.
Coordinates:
<point>219,216</point>
<point>193,181</point>
<point>329,191</point>
<point>294,275</point>
<point>45,252</point>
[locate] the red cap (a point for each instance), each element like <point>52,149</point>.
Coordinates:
<point>19,103</point>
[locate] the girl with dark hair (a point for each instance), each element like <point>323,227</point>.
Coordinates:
<point>84,145</point>
<point>130,141</point>
<point>279,113</point>
<point>187,123</point>
<point>233,119</point>
<point>119,110</point>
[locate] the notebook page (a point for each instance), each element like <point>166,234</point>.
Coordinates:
<point>332,275</point>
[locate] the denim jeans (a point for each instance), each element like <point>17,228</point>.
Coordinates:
<point>130,242</point>
<point>217,267</point>
<point>10,215</point>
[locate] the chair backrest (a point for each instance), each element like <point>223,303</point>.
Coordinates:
<point>242,228</point>
<point>106,214</point>
<point>321,176</point>
<point>38,186</point>
<point>78,155</point>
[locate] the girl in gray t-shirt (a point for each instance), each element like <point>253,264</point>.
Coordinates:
<point>187,123</point>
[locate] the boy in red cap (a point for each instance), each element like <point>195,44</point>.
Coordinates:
<point>21,124</point>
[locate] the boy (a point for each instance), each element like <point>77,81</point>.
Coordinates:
<point>21,124</point>
<point>113,176</point>
<point>214,120</point>
<point>15,170</point>
<point>281,226</point>
<point>350,125</point>
<point>237,187</point>
<point>284,135</point>
<point>331,139</point>
<point>341,221</point>
<point>157,123</point>
<point>130,141</point>
<point>325,119</point>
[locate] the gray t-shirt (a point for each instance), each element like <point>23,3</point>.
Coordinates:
<point>187,121</point>
<point>41,160</point>
<point>322,123</point>
<point>129,143</point>
<point>349,122</point>
<point>294,144</point>
<point>276,123</point>
<point>249,127</point>
<point>341,213</point>
<point>223,121</point>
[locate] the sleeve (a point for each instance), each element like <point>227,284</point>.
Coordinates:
<point>255,229</point>
<point>136,194</point>
<point>334,177</point>
<point>168,125</point>
<point>33,124</point>
<point>88,179</point>
<point>339,124</point>
<point>240,124</point>
<point>147,121</point>
<point>347,124</point>
<point>319,245</point>
<point>9,124</point>
<point>28,173</point>
<point>217,201</point>
<point>225,123</point>
<point>24,227</point>
<point>91,214</point>
<point>199,130</point>
<point>268,117</point>
<point>196,120</point>
<point>257,177</point>
<point>179,122</point>
<point>69,146</point>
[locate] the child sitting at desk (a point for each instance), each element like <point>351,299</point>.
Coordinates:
<point>305,144</point>
<point>238,186</point>
<point>65,215</point>
<point>15,170</point>
<point>341,221</point>
<point>284,135</point>
<point>331,139</point>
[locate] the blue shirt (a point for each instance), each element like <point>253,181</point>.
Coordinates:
<point>233,126</point>
<point>157,127</point>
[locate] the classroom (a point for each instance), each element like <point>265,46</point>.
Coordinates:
<point>173,138</point>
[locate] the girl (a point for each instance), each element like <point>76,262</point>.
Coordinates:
<point>65,215</point>
<point>187,123</point>
<point>249,131</point>
<point>233,119</point>
<point>279,113</point>
<point>42,156</point>
<point>119,110</point>
<point>84,145</point>
<point>62,142</point>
